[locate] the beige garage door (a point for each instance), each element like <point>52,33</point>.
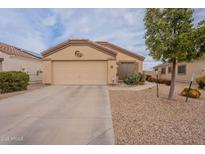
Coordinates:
<point>80,72</point>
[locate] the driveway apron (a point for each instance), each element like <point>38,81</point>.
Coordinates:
<point>57,115</point>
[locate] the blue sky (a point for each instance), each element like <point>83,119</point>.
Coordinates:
<point>39,29</point>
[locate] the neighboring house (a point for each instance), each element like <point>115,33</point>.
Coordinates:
<point>184,70</point>
<point>16,59</point>
<point>88,62</point>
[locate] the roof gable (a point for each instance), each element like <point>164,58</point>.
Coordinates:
<point>120,49</point>
<point>68,43</point>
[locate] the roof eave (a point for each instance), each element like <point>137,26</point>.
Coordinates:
<point>75,42</point>
<point>122,49</point>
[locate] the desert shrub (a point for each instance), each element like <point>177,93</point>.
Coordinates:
<point>193,93</point>
<point>147,77</point>
<point>168,82</point>
<point>152,79</point>
<point>13,81</point>
<point>135,79</point>
<point>201,82</point>
<point>160,80</point>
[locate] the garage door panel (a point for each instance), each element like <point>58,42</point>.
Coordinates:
<point>80,72</point>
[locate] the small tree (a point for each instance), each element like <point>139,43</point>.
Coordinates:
<point>171,37</point>
<point>199,33</point>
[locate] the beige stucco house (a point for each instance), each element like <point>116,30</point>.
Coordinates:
<point>184,70</point>
<point>87,62</point>
<point>16,59</point>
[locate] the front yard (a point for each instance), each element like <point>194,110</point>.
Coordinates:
<point>139,117</point>
<point>29,88</point>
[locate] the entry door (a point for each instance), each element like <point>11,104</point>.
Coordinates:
<point>126,68</point>
<point>80,72</point>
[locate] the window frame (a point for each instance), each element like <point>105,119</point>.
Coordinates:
<point>163,68</point>
<point>181,73</point>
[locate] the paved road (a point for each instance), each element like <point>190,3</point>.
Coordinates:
<point>57,115</point>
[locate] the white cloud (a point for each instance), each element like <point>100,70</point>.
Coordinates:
<point>49,21</point>
<point>130,18</point>
<point>38,30</point>
<point>134,18</point>
<point>64,15</point>
<point>84,25</point>
<point>149,63</point>
<point>15,29</point>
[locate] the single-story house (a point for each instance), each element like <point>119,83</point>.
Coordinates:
<point>17,59</point>
<point>184,70</point>
<point>86,62</point>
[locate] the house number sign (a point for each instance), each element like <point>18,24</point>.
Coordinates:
<point>78,53</point>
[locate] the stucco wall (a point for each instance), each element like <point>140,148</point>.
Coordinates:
<point>194,67</point>
<point>47,72</point>
<point>124,57</point>
<point>88,54</point>
<point>112,71</point>
<point>15,63</point>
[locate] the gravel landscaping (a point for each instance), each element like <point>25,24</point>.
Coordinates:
<point>123,86</point>
<point>139,117</point>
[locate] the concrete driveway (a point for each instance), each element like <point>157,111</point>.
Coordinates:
<point>57,115</point>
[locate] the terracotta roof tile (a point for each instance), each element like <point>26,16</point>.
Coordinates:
<point>12,50</point>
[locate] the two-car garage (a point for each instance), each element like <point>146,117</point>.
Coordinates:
<point>84,62</point>
<point>79,62</point>
<point>80,72</point>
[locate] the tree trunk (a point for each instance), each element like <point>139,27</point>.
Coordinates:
<point>173,76</point>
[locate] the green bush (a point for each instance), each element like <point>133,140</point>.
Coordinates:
<point>201,82</point>
<point>135,79</point>
<point>193,93</point>
<point>13,81</point>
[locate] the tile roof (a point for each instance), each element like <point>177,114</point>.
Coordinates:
<point>12,50</point>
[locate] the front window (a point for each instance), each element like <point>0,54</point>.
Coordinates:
<point>182,69</point>
<point>163,70</point>
<point>169,69</point>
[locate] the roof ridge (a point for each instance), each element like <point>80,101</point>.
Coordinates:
<point>103,46</point>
